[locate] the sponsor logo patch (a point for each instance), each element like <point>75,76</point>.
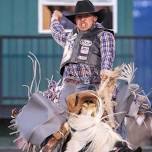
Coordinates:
<point>84,50</point>
<point>82,57</point>
<point>86,42</point>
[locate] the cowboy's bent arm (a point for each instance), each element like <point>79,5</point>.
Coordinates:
<point>107,48</point>
<point>57,30</point>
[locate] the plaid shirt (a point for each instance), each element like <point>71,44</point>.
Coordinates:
<point>82,72</point>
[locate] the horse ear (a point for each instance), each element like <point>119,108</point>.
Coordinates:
<point>139,149</point>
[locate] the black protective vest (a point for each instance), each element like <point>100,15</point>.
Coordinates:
<point>82,48</point>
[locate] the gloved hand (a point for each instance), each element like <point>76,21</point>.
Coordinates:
<point>105,74</point>
<point>57,15</point>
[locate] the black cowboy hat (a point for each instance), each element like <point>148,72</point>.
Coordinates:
<point>86,7</point>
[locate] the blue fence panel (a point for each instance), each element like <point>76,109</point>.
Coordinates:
<point>143,60</point>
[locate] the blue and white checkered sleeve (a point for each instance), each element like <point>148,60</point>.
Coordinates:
<point>107,48</point>
<point>58,32</point>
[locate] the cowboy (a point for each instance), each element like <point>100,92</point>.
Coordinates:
<point>89,49</point>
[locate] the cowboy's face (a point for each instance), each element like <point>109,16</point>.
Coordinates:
<point>85,21</point>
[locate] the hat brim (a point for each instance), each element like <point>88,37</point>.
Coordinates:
<point>100,15</point>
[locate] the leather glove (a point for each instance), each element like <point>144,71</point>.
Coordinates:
<point>57,15</point>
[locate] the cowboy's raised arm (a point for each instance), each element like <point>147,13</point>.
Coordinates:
<point>107,48</point>
<point>57,30</point>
